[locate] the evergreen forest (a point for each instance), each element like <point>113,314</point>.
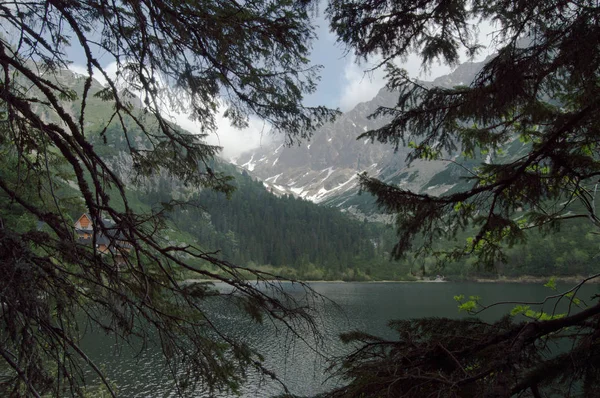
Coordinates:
<point>173,233</point>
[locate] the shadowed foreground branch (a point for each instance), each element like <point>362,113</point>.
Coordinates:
<point>538,92</point>
<point>439,357</point>
<point>56,127</point>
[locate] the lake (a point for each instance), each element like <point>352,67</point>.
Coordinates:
<point>363,306</point>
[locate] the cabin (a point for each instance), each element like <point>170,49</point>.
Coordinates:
<point>83,227</point>
<point>110,243</point>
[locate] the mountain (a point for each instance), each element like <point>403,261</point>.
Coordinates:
<point>293,237</point>
<point>325,169</point>
<point>250,226</point>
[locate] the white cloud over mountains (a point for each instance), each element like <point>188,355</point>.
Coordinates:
<point>345,84</point>
<point>110,69</point>
<point>359,85</point>
<point>232,140</point>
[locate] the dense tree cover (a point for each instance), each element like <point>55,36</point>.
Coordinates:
<point>541,87</point>
<point>308,241</point>
<point>250,226</point>
<point>250,57</point>
<point>296,238</point>
<point>572,251</point>
<point>288,230</point>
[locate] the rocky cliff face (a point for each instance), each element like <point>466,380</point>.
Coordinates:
<point>325,169</point>
<point>327,165</point>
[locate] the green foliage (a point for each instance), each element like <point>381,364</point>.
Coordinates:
<point>285,235</point>
<point>526,311</point>
<point>551,283</point>
<point>539,92</point>
<point>69,145</point>
<point>519,309</point>
<point>469,305</point>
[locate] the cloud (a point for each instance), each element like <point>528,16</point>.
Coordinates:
<point>361,84</point>
<point>233,140</point>
<point>358,85</point>
<point>110,69</point>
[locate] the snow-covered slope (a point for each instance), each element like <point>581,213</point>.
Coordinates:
<point>324,169</point>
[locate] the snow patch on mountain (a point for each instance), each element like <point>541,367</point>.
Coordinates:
<point>249,165</point>
<point>329,170</point>
<point>325,169</point>
<point>297,191</point>
<point>273,179</point>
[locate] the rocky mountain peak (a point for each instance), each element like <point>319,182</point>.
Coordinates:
<point>324,169</point>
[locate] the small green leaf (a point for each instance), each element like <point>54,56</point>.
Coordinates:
<point>519,309</point>
<point>542,316</point>
<point>551,283</point>
<point>467,306</point>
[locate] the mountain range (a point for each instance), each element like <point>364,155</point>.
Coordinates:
<point>279,234</point>
<point>324,170</point>
<point>286,233</point>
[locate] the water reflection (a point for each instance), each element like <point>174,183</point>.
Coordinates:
<point>358,306</point>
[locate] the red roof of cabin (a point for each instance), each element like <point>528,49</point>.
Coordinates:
<point>84,221</point>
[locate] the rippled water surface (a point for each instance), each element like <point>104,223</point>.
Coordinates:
<point>363,306</point>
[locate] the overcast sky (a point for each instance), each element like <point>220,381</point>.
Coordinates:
<point>343,85</point>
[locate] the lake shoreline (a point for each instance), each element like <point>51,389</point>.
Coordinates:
<point>521,279</point>
<point>535,279</point>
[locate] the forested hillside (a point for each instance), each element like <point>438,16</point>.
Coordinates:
<point>296,238</point>
<point>288,235</point>
<point>249,226</point>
